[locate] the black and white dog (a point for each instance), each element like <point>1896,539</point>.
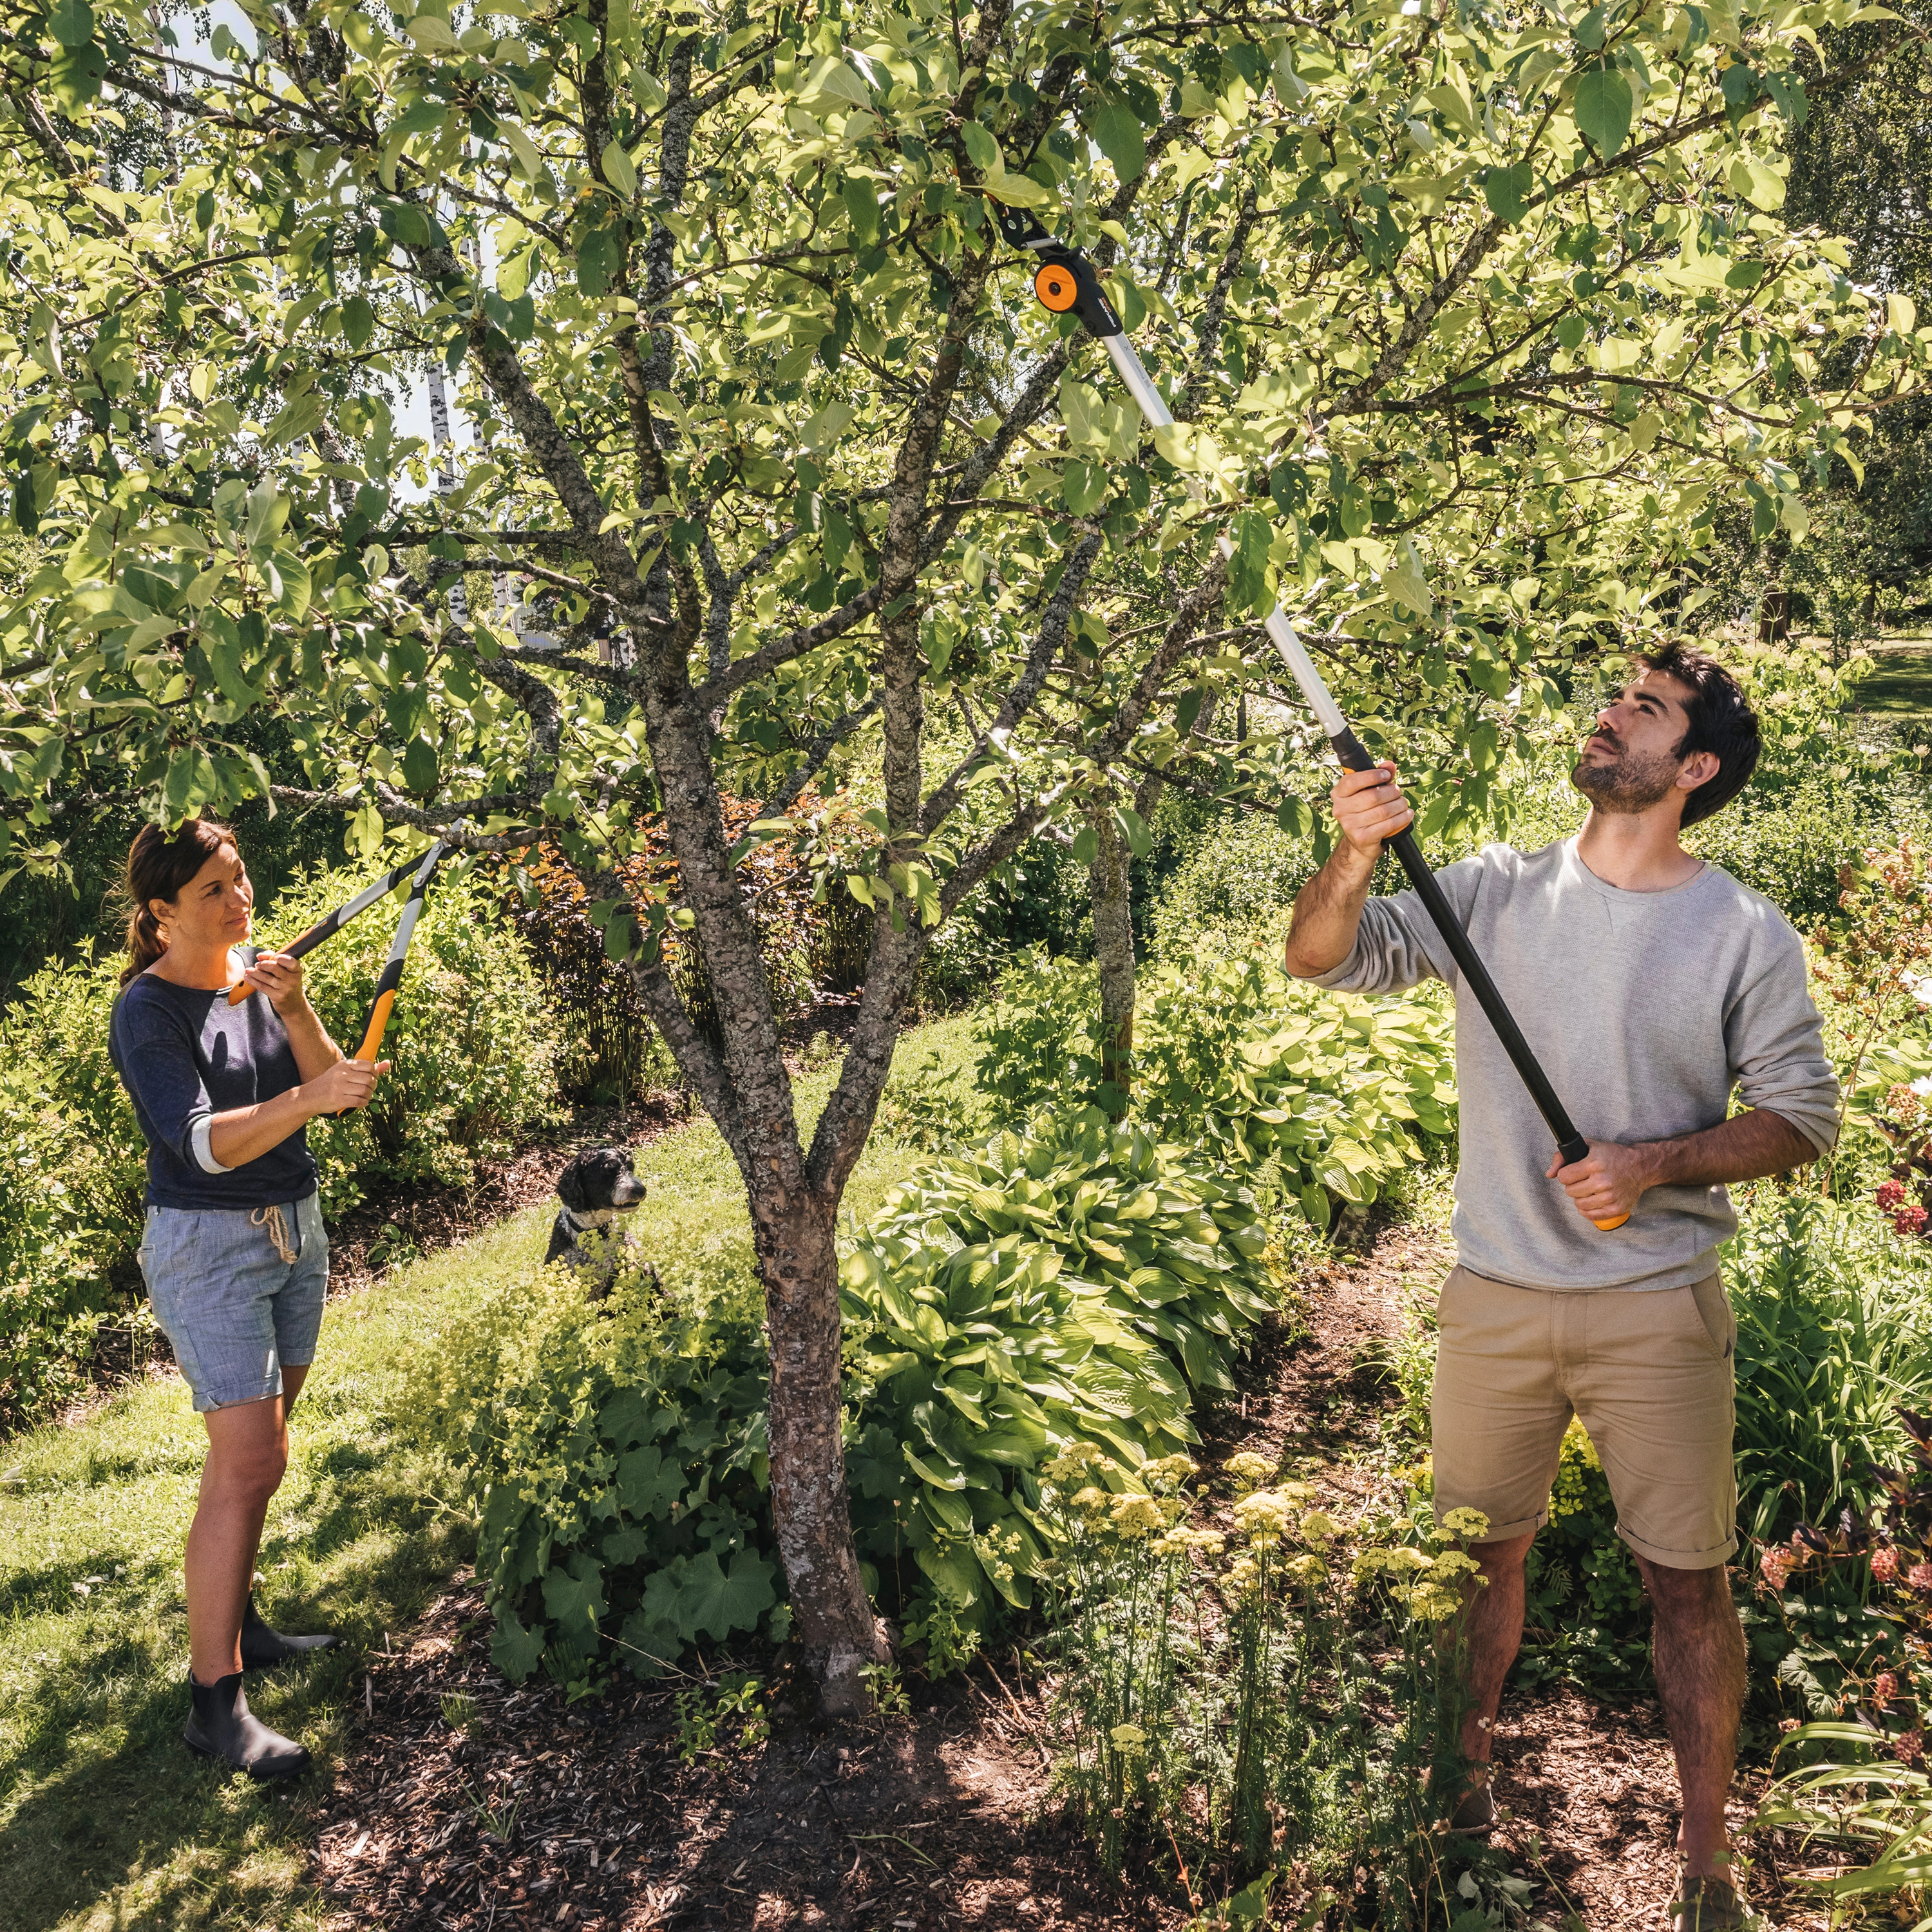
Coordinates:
<point>597,1189</point>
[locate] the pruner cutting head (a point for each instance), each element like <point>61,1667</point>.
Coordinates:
<point>1063,279</point>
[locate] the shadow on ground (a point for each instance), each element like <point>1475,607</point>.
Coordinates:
<point>109,1820</point>
<point>623,1814</point>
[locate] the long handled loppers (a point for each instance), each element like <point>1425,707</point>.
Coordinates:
<point>418,872</point>
<point>1064,281</point>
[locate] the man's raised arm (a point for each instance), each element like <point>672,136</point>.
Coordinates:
<point>1369,807</point>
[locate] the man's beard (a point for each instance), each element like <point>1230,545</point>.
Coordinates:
<point>1627,784</point>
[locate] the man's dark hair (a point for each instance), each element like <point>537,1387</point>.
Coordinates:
<point>1718,719</point>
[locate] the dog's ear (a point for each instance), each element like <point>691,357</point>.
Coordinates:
<point>570,1185</point>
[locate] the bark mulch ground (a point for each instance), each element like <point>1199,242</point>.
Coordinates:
<point>469,1805</point>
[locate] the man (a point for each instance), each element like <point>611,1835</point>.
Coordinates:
<point>1650,985</point>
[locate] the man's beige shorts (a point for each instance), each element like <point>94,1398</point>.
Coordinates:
<point>1647,1372</point>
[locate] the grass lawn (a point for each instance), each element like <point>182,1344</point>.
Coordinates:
<point>105,1819</point>
<point>1901,682</point>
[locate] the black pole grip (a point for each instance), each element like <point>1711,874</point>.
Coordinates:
<point>1428,888</point>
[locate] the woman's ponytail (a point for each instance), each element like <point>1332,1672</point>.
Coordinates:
<point>159,864</point>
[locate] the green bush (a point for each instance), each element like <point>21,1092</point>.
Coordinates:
<point>1313,1096</point>
<point>472,1043</point>
<point>617,1450</point>
<point>1789,841</point>
<point>1835,1332</point>
<point>72,1177</point>
<point>1079,1284</point>
<point>1072,1287</point>
<point>1232,891</point>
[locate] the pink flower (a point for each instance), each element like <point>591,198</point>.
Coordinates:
<point>1920,1575</point>
<point>1776,1564</point>
<point>1885,1563</point>
<point>1910,1220</point>
<point>1884,1687</point>
<point>1889,1195</point>
<point>1908,1745</point>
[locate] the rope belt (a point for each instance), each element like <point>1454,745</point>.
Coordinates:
<point>272,1218</point>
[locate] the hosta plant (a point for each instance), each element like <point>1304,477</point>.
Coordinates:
<point>1078,1285</point>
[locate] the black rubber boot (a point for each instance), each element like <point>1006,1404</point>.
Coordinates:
<point>220,1726</point>
<point>261,1646</point>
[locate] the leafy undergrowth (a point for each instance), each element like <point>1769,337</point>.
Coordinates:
<point>464,1803</point>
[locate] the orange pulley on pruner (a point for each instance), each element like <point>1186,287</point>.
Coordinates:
<point>1056,287</point>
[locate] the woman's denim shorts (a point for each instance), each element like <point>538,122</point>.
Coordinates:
<point>236,1312</point>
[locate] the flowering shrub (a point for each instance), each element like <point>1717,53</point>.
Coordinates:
<point>1872,973</point>
<point>1865,1781</point>
<point>1225,1693</point>
<point>1905,1121</point>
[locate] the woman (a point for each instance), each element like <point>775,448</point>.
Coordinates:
<point>234,1255</point>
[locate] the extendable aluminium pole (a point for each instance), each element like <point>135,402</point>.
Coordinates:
<point>1065,283</point>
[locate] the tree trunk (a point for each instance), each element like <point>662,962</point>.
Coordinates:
<point>810,1509</point>
<point>1108,887</point>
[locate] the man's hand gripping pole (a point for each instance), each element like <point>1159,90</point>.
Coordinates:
<point>1065,283</point>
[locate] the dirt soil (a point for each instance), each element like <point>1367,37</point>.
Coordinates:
<point>467,1805</point>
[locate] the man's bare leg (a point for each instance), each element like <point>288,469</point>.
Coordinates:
<point>1698,1650</point>
<point>1492,1630</point>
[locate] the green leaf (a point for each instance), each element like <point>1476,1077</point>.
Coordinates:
<point>71,22</point>
<point>514,1650</point>
<point>1571,329</point>
<point>982,149</point>
<point>1116,129</point>
<point>619,170</point>
<point>1083,486</point>
<point>647,1484</point>
<point>956,1572</point>
<point>359,321</point>
<point>420,771</point>
<point>1755,183</point>
<point>862,207</point>
<point>403,221</point>
<point>651,1648</point>
<point>597,258</point>
<point>292,587</point>
<point>575,1597</point>
<point>694,1595</point>
<point>932,1473</point>
<point>1504,190</point>
<point>1604,105</point>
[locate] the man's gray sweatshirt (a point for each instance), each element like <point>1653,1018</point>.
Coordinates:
<point>1645,1009</point>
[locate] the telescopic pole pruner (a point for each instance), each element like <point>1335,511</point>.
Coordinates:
<point>1064,281</point>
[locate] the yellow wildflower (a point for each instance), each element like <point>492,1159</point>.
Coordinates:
<point>1136,1516</point>
<point>1318,1526</point>
<point>1129,1739</point>
<point>1072,1463</point>
<point>1470,1524</point>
